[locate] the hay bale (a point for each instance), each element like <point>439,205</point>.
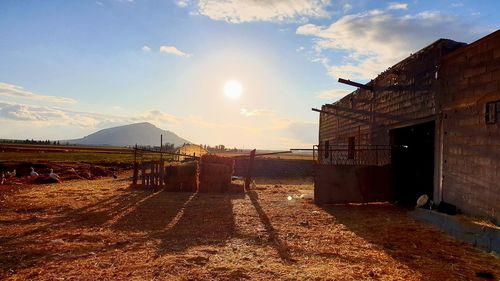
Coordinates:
<point>214,177</point>
<point>215,159</point>
<point>181,177</point>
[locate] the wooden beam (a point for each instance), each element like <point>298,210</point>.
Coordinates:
<point>355,84</point>
<point>262,154</point>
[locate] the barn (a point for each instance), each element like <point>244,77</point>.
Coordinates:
<point>427,125</point>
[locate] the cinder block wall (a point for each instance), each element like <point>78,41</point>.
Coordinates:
<point>405,92</point>
<point>469,78</point>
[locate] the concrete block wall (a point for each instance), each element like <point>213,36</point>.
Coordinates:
<point>406,91</point>
<point>469,78</point>
<point>264,167</point>
<point>451,83</point>
<point>352,184</point>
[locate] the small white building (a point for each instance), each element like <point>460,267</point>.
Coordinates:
<point>190,149</point>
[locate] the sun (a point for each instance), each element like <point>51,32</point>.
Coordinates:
<point>233,89</point>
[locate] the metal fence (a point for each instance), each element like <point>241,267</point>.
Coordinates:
<point>357,155</point>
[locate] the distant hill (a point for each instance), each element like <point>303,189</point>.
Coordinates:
<point>140,133</point>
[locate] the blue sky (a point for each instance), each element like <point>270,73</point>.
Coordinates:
<point>69,68</point>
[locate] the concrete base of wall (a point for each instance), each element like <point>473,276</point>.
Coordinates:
<point>352,184</point>
<point>483,237</point>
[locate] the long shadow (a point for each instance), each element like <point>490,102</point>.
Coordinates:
<point>78,224</point>
<point>418,246</point>
<point>153,214</point>
<point>205,219</point>
<point>280,247</point>
<point>179,220</point>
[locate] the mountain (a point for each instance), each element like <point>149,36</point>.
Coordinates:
<point>139,133</point>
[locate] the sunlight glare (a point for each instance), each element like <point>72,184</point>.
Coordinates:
<point>233,89</point>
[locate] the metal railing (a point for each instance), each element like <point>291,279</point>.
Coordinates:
<point>358,155</point>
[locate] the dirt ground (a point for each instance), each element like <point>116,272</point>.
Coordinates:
<point>102,229</point>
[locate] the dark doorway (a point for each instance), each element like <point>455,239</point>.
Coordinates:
<point>412,162</point>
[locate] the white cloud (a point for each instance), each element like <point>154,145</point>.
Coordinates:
<point>256,112</point>
<point>375,40</point>
<point>346,7</point>
<point>23,112</point>
<point>397,6</point>
<point>273,131</point>
<point>156,117</point>
<point>333,94</point>
<point>457,4</point>
<point>146,49</point>
<point>174,51</point>
<point>182,3</point>
<point>45,116</point>
<point>52,116</point>
<point>237,11</point>
<point>18,92</point>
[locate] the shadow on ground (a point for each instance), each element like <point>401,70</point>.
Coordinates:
<point>177,220</point>
<point>280,246</point>
<point>414,244</point>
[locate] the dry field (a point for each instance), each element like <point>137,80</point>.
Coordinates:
<point>70,153</point>
<point>102,229</point>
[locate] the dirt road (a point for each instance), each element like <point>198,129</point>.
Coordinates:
<point>103,229</point>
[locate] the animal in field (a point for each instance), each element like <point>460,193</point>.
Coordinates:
<point>53,175</point>
<point>11,174</point>
<point>2,181</point>
<point>33,173</point>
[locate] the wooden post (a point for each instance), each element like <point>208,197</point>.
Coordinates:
<point>162,172</point>
<point>161,147</point>
<point>143,174</point>
<point>251,160</point>
<point>146,174</point>
<point>136,167</point>
<point>157,173</point>
<point>150,174</point>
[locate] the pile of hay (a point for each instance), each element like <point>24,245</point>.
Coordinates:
<point>98,171</point>
<point>214,159</point>
<point>215,173</point>
<point>69,174</point>
<point>181,177</point>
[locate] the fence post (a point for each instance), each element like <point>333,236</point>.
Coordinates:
<point>162,172</point>
<point>157,174</point>
<point>136,168</point>
<point>251,160</point>
<point>143,174</point>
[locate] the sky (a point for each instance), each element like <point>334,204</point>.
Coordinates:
<point>70,68</point>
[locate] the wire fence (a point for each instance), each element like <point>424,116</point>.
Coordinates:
<point>355,155</point>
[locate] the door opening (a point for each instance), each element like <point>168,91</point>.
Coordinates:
<point>412,161</point>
